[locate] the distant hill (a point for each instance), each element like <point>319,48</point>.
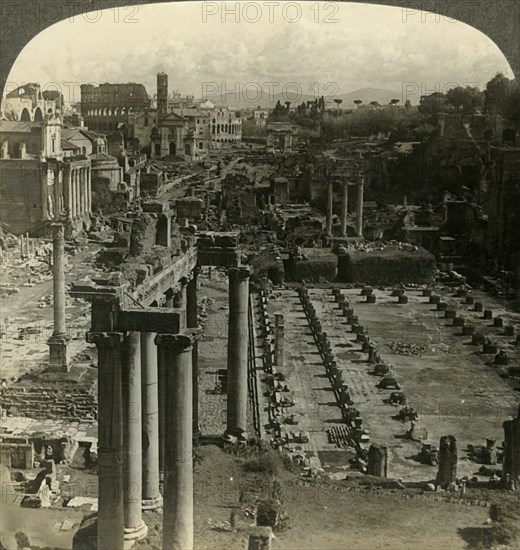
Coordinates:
<point>252,98</point>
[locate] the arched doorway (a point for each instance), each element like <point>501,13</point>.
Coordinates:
<point>25,116</point>
<point>38,115</point>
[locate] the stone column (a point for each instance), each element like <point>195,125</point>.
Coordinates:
<point>56,192</point>
<point>78,194</point>
<point>110,518</point>
<point>359,207</point>
<point>72,200</point>
<point>150,419</point>
<point>69,194</point>
<point>179,299</point>
<point>85,190</point>
<point>344,209</point>
<point>75,193</point>
<point>168,298</point>
<point>58,342</point>
<point>330,202</point>
<point>447,472</point>
<point>89,189</point>
<point>511,461</point>
<point>176,351</point>
<point>135,528</point>
<point>238,335</point>
<point>82,189</point>
<point>192,321</point>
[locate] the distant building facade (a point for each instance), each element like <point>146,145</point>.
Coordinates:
<point>28,103</point>
<point>107,106</point>
<point>40,179</point>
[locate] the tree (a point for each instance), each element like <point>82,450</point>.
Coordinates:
<point>502,97</point>
<point>375,103</point>
<point>338,102</point>
<point>394,101</point>
<point>433,104</point>
<point>467,99</point>
<point>358,102</point>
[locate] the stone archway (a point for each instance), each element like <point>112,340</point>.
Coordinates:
<point>498,20</point>
<point>25,115</point>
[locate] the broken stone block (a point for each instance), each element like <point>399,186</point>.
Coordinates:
<point>260,538</point>
<point>489,348</point>
<point>377,462</point>
<point>417,432</point>
<point>509,330</point>
<point>447,472</point>
<point>501,358</point>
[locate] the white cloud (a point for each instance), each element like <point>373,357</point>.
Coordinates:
<point>369,46</point>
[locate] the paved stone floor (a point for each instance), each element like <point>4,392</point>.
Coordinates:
<point>451,384</point>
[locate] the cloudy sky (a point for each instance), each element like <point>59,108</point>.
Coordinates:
<point>205,45</point>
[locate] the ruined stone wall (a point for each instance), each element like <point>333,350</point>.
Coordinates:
<point>387,267</point>
<point>21,194</point>
<point>49,402</point>
<point>317,265</point>
<point>142,237</point>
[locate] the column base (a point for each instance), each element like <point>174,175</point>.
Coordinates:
<point>240,437</point>
<point>135,533</point>
<point>152,503</point>
<point>59,357</point>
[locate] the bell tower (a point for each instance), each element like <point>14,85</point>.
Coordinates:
<point>162,95</point>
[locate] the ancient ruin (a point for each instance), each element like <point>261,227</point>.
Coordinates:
<point>221,315</point>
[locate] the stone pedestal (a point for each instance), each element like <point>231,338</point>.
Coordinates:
<point>176,351</point>
<point>110,522</point>
<point>59,356</point>
<point>238,336</point>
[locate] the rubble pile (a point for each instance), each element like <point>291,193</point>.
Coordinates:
<point>406,348</point>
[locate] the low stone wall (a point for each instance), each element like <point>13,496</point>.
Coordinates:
<point>49,402</point>
<point>317,265</point>
<point>389,266</point>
